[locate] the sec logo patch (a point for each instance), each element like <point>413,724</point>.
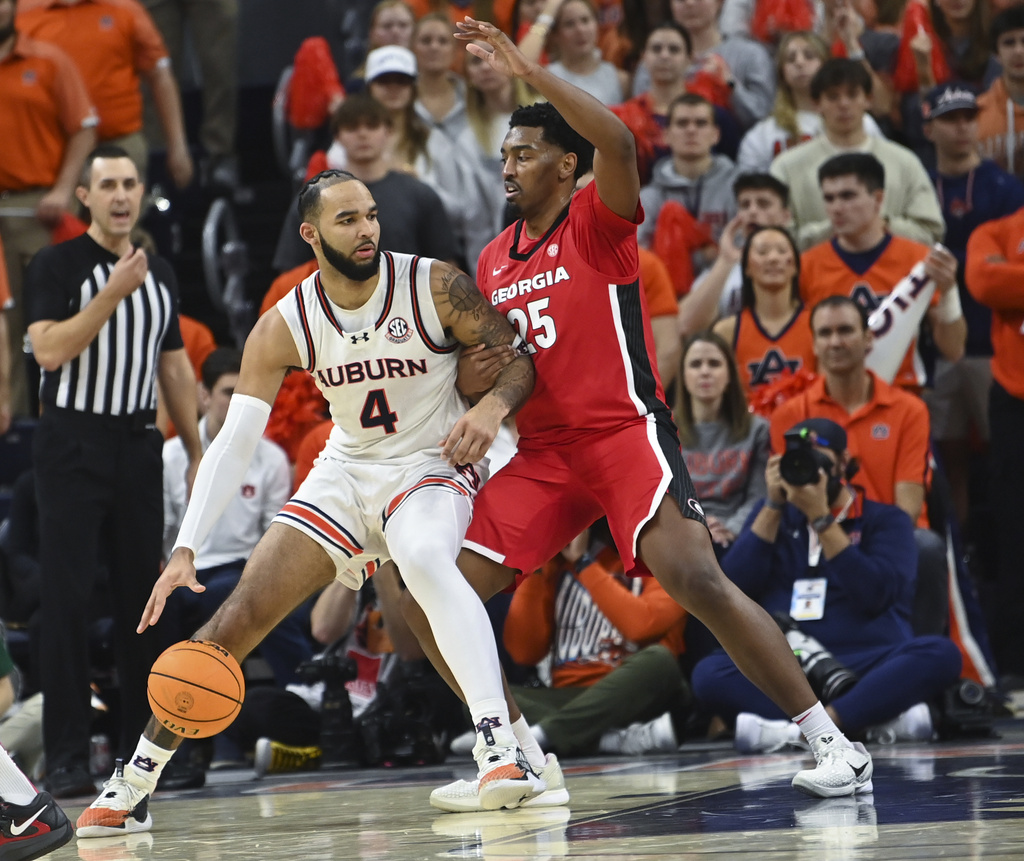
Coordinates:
<point>398,331</point>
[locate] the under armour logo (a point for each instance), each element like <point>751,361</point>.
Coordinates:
<point>144,763</point>
<point>362,336</point>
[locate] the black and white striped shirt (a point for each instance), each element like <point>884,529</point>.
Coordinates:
<point>116,373</point>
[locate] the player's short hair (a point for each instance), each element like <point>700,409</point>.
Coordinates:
<point>761,182</point>
<point>840,72</point>
<point>692,100</point>
<point>555,130</point>
<point>360,109</point>
<point>309,202</point>
<point>676,27</point>
<point>840,301</point>
<point>867,169</point>
<point>222,361</point>
<point>1007,20</point>
<point>747,286</point>
<point>104,150</point>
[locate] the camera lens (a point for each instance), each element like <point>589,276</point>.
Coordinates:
<point>799,467</point>
<point>970,692</point>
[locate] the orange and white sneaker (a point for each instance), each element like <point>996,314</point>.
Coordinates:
<point>505,777</point>
<point>122,808</point>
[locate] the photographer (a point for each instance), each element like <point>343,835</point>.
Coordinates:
<point>843,568</point>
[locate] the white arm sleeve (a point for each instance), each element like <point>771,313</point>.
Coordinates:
<point>223,468</point>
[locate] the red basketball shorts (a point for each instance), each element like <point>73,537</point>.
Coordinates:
<point>548,494</point>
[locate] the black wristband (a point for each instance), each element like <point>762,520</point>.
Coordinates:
<point>585,561</point>
<point>774,506</point>
<point>820,524</point>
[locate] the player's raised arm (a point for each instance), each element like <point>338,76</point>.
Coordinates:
<point>469,318</point>
<point>615,171</point>
<point>269,353</point>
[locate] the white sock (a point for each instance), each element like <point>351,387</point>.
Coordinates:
<point>529,743</point>
<point>815,722</point>
<point>492,715</point>
<point>143,770</point>
<point>14,786</point>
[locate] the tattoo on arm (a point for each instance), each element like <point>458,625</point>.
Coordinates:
<point>463,307</point>
<point>514,383</point>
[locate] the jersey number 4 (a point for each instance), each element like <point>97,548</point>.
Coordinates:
<point>376,412</point>
<point>538,330</point>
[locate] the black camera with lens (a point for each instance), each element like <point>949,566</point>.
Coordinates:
<point>966,709</point>
<point>828,678</point>
<point>338,733</point>
<point>801,460</point>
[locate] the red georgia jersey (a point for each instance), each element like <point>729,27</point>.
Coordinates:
<point>574,296</point>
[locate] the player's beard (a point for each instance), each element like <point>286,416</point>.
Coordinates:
<point>347,267</point>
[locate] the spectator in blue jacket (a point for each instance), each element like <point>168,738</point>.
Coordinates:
<point>843,568</point>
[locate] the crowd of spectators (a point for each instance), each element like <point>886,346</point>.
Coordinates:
<point>824,197</point>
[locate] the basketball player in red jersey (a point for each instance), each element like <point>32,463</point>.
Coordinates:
<point>596,437</point>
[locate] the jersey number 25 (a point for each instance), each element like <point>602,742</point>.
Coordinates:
<point>537,329</point>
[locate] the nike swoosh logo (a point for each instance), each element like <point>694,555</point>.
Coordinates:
<point>859,771</point>
<point>17,830</point>
<point>499,270</point>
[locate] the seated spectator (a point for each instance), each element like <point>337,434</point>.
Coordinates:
<point>667,56</point>
<point>995,275</point>
<point>391,23</point>
<point>661,304</point>
<point>440,92</point>
<point>972,191</point>
<point>761,201</point>
<point>411,213</point>
<point>770,335</point>
<point>574,32</point>
<point>867,258</point>
<point>691,175</point>
<point>888,435</point>
<point>843,567</point>
<point>1001,106</point>
<point>623,672</point>
<point>219,562</point>
<point>842,90</point>
<point>743,65</point>
<point>114,44</point>
<point>725,446</point>
<point>794,118</point>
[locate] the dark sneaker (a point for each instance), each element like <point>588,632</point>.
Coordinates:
<point>32,830</point>
<point>69,782</point>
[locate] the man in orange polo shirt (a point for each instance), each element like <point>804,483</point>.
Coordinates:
<point>113,42</point>
<point>47,127</point>
<point>887,432</point>
<point>995,277</point>
<point>865,260</point>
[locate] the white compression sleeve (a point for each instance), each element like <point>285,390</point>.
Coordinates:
<point>223,468</point>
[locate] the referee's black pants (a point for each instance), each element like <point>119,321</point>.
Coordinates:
<point>100,491</point>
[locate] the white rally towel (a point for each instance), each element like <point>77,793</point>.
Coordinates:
<point>896,320</point>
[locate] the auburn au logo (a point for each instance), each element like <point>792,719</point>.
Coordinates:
<point>773,363</point>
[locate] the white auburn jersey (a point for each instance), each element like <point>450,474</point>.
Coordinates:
<point>387,369</point>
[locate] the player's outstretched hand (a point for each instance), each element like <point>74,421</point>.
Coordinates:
<point>471,436</point>
<point>504,57</point>
<point>180,571</point>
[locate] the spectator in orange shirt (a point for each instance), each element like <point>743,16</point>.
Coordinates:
<point>887,432</point>
<point>5,367</point>
<point>995,276</point>
<point>284,282</point>
<point>864,260</point>
<point>770,334</point>
<point>113,42</point>
<point>614,645</point>
<point>42,97</point>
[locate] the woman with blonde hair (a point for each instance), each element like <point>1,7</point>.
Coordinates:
<point>794,118</point>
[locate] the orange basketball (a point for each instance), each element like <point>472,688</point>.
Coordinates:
<point>196,688</point>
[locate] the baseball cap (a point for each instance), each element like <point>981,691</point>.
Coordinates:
<point>829,434</point>
<point>948,97</point>
<point>390,60</point>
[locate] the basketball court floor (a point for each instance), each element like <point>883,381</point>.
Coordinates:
<point>950,800</point>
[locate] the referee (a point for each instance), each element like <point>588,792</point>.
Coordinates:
<point>103,322</point>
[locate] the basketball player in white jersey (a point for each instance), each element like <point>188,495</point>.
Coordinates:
<point>380,334</point>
